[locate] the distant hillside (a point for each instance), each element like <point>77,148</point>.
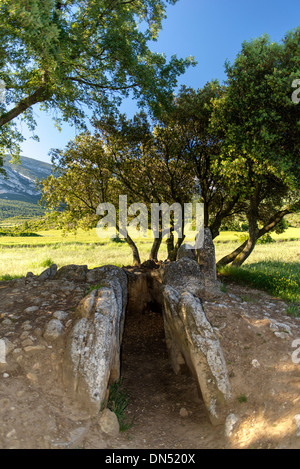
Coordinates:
<point>18,195</point>
<point>20,180</point>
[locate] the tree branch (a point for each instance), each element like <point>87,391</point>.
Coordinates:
<point>102,87</point>
<point>38,96</point>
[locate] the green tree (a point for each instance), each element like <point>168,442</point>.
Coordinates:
<point>76,57</point>
<point>260,124</point>
<point>81,181</point>
<point>123,157</point>
<point>149,163</point>
<point>188,127</point>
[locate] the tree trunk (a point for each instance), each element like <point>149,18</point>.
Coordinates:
<point>155,248</point>
<point>178,244</point>
<point>253,231</point>
<point>245,253</point>
<point>239,255</point>
<point>173,249</point>
<point>170,246</point>
<point>38,96</point>
<point>221,215</point>
<point>135,251</point>
<point>131,243</point>
<point>230,257</point>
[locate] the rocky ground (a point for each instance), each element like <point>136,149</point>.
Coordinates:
<point>257,338</point>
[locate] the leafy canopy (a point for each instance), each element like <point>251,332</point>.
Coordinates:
<point>78,57</point>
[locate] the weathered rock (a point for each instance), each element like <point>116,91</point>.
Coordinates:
<point>92,358</point>
<point>108,422</point>
<point>7,322</point>
<point>72,272</point>
<point>185,251</point>
<point>75,440</point>
<point>6,347</point>
<point>61,315</point>
<point>26,326</point>
<point>31,309</point>
<point>185,275</point>
<point>183,412</point>
<point>30,275</point>
<point>297,421</point>
<point>190,338</point>
<point>99,276</point>
<point>255,363</point>
<point>34,348</point>
<point>48,273</point>
<point>230,423</point>
<point>206,257</point>
<point>138,291</point>
<point>53,330</point>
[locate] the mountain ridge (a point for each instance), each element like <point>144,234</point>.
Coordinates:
<point>20,180</point>
<point>19,197</point>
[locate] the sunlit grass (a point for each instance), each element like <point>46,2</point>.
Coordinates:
<point>18,260</point>
<point>274,267</point>
<point>291,234</point>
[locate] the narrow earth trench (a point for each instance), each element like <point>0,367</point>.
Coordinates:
<point>166,409</point>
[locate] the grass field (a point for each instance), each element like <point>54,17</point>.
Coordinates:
<point>274,267</point>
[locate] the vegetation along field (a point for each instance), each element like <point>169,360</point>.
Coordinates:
<point>274,267</point>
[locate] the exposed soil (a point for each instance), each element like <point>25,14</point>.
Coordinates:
<point>256,336</point>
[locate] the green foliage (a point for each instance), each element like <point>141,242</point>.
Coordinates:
<point>17,232</point>
<point>118,402</point>
<point>8,277</point>
<point>265,239</point>
<point>233,225</point>
<point>19,209</point>
<point>293,310</point>
<point>95,287</point>
<point>242,398</point>
<point>46,262</point>
<point>259,119</point>
<point>75,55</point>
<point>278,278</point>
<point>293,220</point>
<point>117,239</point>
<point>260,126</point>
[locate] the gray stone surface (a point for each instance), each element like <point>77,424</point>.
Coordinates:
<point>206,257</point>
<point>185,275</point>
<point>190,338</point>
<point>72,272</point>
<point>48,273</point>
<point>108,423</point>
<point>92,358</point>
<point>53,330</point>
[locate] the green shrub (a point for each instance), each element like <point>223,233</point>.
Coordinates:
<point>242,398</point>
<point>265,239</point>
<point>7,277</point>
<point>277,278</point>
<point>243,237</point>
<point>117,239</point>
<point>46,262</point>
<point>293,310</point>
<point>118,402</point>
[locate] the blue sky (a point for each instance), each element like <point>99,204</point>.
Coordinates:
<point>211,31</point>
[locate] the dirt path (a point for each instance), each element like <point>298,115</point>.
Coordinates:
<point>254,331</point>
<point>167,410</point>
